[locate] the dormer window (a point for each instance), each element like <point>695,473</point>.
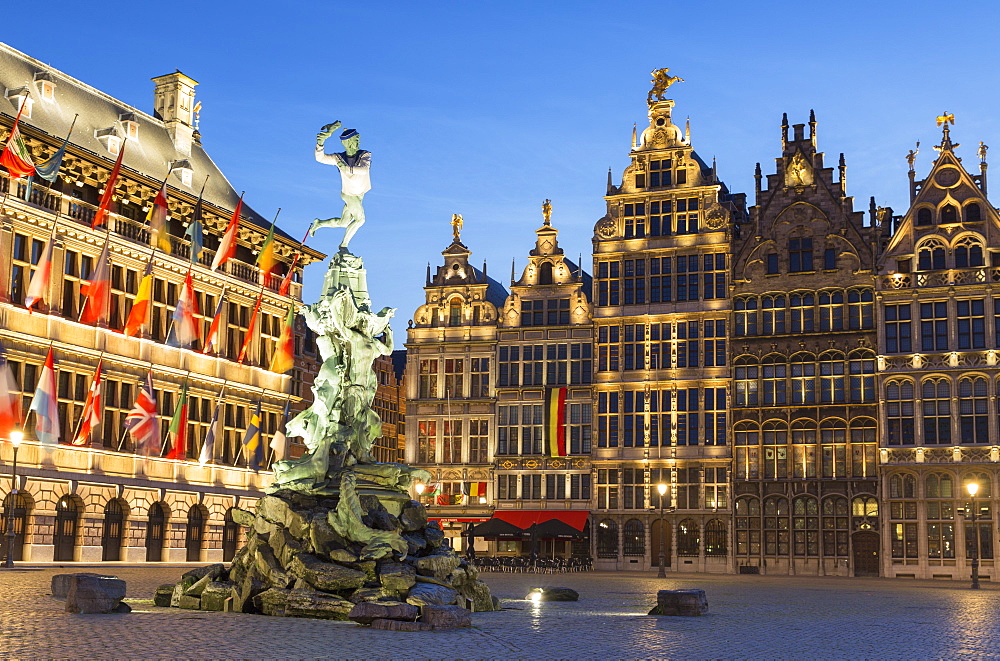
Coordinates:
<point>130,124</point>
<point>21,97</point>
<point>183,170</point>
<point>46,86</point>
<point>110,138</point>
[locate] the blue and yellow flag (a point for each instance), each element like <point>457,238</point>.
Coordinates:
<point>252,446</point>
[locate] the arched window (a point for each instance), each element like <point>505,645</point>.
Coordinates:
<point>716,538</point>
<point>802,312</point>
<point>195,534</point>
<point>833,435</point>
<point>545,273</point>
<point>861,309</point>
<point>899,412</point>
<point>772,313</point>
<point>775,372</point>
<point>864,513</point>
<point>902,486</point>
<point>776,538</point>
<point>863,447</point>
<point>114,531</point>
<point>746,316</point>
<point>968,253</point>
<point>835,527</point>
<point>831,311</point>
<point>831,378</point>
<point>455,312</point>
<point>230,536</point>
<point>746,437</point>
<point>688,538</point>
<point>64,539</point>
<point>973,416</point>
<point>940,485</point>
<point>633,538</point>
<point>936,409</point>
<point>805,526</point>
<point>803,369</point>
<point>747,526</point>
<point>939,492</point>
<point>983,528</point>
<point>931,256</point>
<point>15,517</point>
<point>155,532</point>
<point>924,217</point>
<point>804,448</point>
<point>862,368</point>
<point>746,372</point>
<point>607,539</point>
<point>948,214</point>
<point>775,433</point>
<point>973,213</point>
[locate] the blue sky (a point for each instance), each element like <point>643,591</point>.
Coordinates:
<point>486,109</point>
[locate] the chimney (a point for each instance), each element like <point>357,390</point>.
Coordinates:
<point>173,102</point>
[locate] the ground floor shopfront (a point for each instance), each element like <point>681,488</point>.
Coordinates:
<point>690,541</point>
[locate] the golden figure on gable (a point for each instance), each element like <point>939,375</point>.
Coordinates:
<point>456,226</point>
<point>798,172</point>
<point>661,81</point>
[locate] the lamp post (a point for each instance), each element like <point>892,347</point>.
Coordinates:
<point>973,489</point>
<point>420,490</point>
<point>16,437</point>
<point>662,488</point>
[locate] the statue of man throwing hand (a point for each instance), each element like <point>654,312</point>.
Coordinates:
<point>355,166</point>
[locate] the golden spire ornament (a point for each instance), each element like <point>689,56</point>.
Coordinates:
<point>547,211</point>
<point>456,226</point>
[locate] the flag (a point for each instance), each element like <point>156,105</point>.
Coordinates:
<point>10,400</point>
<point>208,447</point>
<point>139,313</point>
<point>227,247</point>
<point>252,447</point>
<point>476,489</point>
<point>49,168</point>
<point>253,320</point>
<point>46,405</point>
<point>213,328</point>
<point>184,330</point>
<point>178,428</point>
<point>286,282</point>
<point>284,350</point>
<point>41,279</point>
<point>195,232</point>
<point>15,156</point>
<point>91,409</point>
<point>96,290</point>
<point>265,258</point>
<point>142,422</point>
<point>555,421</point>
<point>109,190</point>
<point>278,441</point>
<point>157,217</point>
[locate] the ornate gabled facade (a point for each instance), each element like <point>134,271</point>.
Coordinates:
<point>450,393</point>
<point>544,372</point>
<point>101,500</point>
<point>803,404</point>
<point>938,375</point>
<point>661,303</point>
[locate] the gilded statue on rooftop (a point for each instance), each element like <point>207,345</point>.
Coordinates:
<point>661,81</point>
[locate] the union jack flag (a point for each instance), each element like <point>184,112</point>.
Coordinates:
<point>141,422</point>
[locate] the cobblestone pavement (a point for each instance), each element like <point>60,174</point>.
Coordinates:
<point>750,617</point>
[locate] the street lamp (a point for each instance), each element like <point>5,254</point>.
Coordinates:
<point>662,488</point>
<point>973,489</point>
<point>16,437</point>
<point>420,490</point>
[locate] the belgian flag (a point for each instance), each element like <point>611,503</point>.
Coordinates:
<point>555,421</point>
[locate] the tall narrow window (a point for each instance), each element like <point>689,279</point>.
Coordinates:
<point>973,416</point>
<point>936,405</point>
<point>899,330</point>
<point>800,255</point>
<point>971,325</point>
<point>899,412</point>
<point>934,326</point>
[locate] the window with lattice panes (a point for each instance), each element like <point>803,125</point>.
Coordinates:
<point>746,317</point>
<point>804,449</point>
<point>775,451</point>
<point>507,487</point>
<point>634,347</point>
<point>776,526</point>
<point>688,277</point>
<point>715,343</point>
<point>802,368</point>
<point>478,441</point>
<point>861,309</point>
<point>983,528</point>
<point>454,376</point>
<point>714,275</point>
<point>633,284</point>
<point>903,516</point>
<point>971,323</point>
<point>578,427</point>
<point>973,410</point>
<point>802,309</point>
<point>746,374</point>
<point>608,348</point>
<point>716,487</point>
<point>479,377</point>
<point>531,486</point>
<point>746,442</point>
<point>660,280</point>
<point>774,372</point>
<point>427,441</point>
<point>863,447</point>
<point>934,326</point>
<point>831,311</point>
<point>772,315</point>
<point>607,419</point>
<point>428,379</point>
<point>835,524</point>
<point>555,486</point>
<point>900,413</point>
<point>748,526</point>
<point>833,436</point>
<point>935,395</point>
<point>579,486</point>
<point>805,526</point>
<point>26,251</point>
<point>607,488</point>
<point>939,493</point>
<point>451,442</point>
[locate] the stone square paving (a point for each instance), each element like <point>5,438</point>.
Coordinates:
<point>751,617</point>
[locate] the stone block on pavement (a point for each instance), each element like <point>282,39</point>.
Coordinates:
<point>163,595</point>
<point>366,612</point>
<point>446,617</point>
<point>398,625</point>
<point>94,594</point>
<point>429,594</point>
<point>213,597</point>
<point>680,602</point>
<point>61,582</point>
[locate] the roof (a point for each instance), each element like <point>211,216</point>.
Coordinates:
<point>399,363</point>
<point>495,292</point>
<point>150,155</point>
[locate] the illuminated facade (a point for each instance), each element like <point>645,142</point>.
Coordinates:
<point>102,501</point>
<point>661,306</point>
<point>544,355</point>
<point>803,402</point>
<point>388,405</point>
<point>450,389</point>
<point>938,373</point>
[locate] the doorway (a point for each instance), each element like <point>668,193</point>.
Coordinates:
<point>866,561</point>
<point>659,534</point>
<point>64,538</point>
<point>154,533</point>
<point>15,515</point>
<point>114,529</point>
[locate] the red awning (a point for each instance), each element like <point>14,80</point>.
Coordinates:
<point>524,519</point>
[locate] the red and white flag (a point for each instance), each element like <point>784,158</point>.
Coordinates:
<point>46,405</point>
<point>41,279</point>
<point>227,247</point>
<point>10,401</point>
<point>16,157</point>
<point>91,409</point>
<point>97,291</point>
<point>109,190</point>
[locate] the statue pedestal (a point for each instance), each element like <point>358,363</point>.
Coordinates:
<point>347,271</point>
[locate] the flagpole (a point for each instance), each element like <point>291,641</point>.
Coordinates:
<point>163,446</point>
<point>218,403</point>
<point>79,423</point>
<point>51,342</point>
